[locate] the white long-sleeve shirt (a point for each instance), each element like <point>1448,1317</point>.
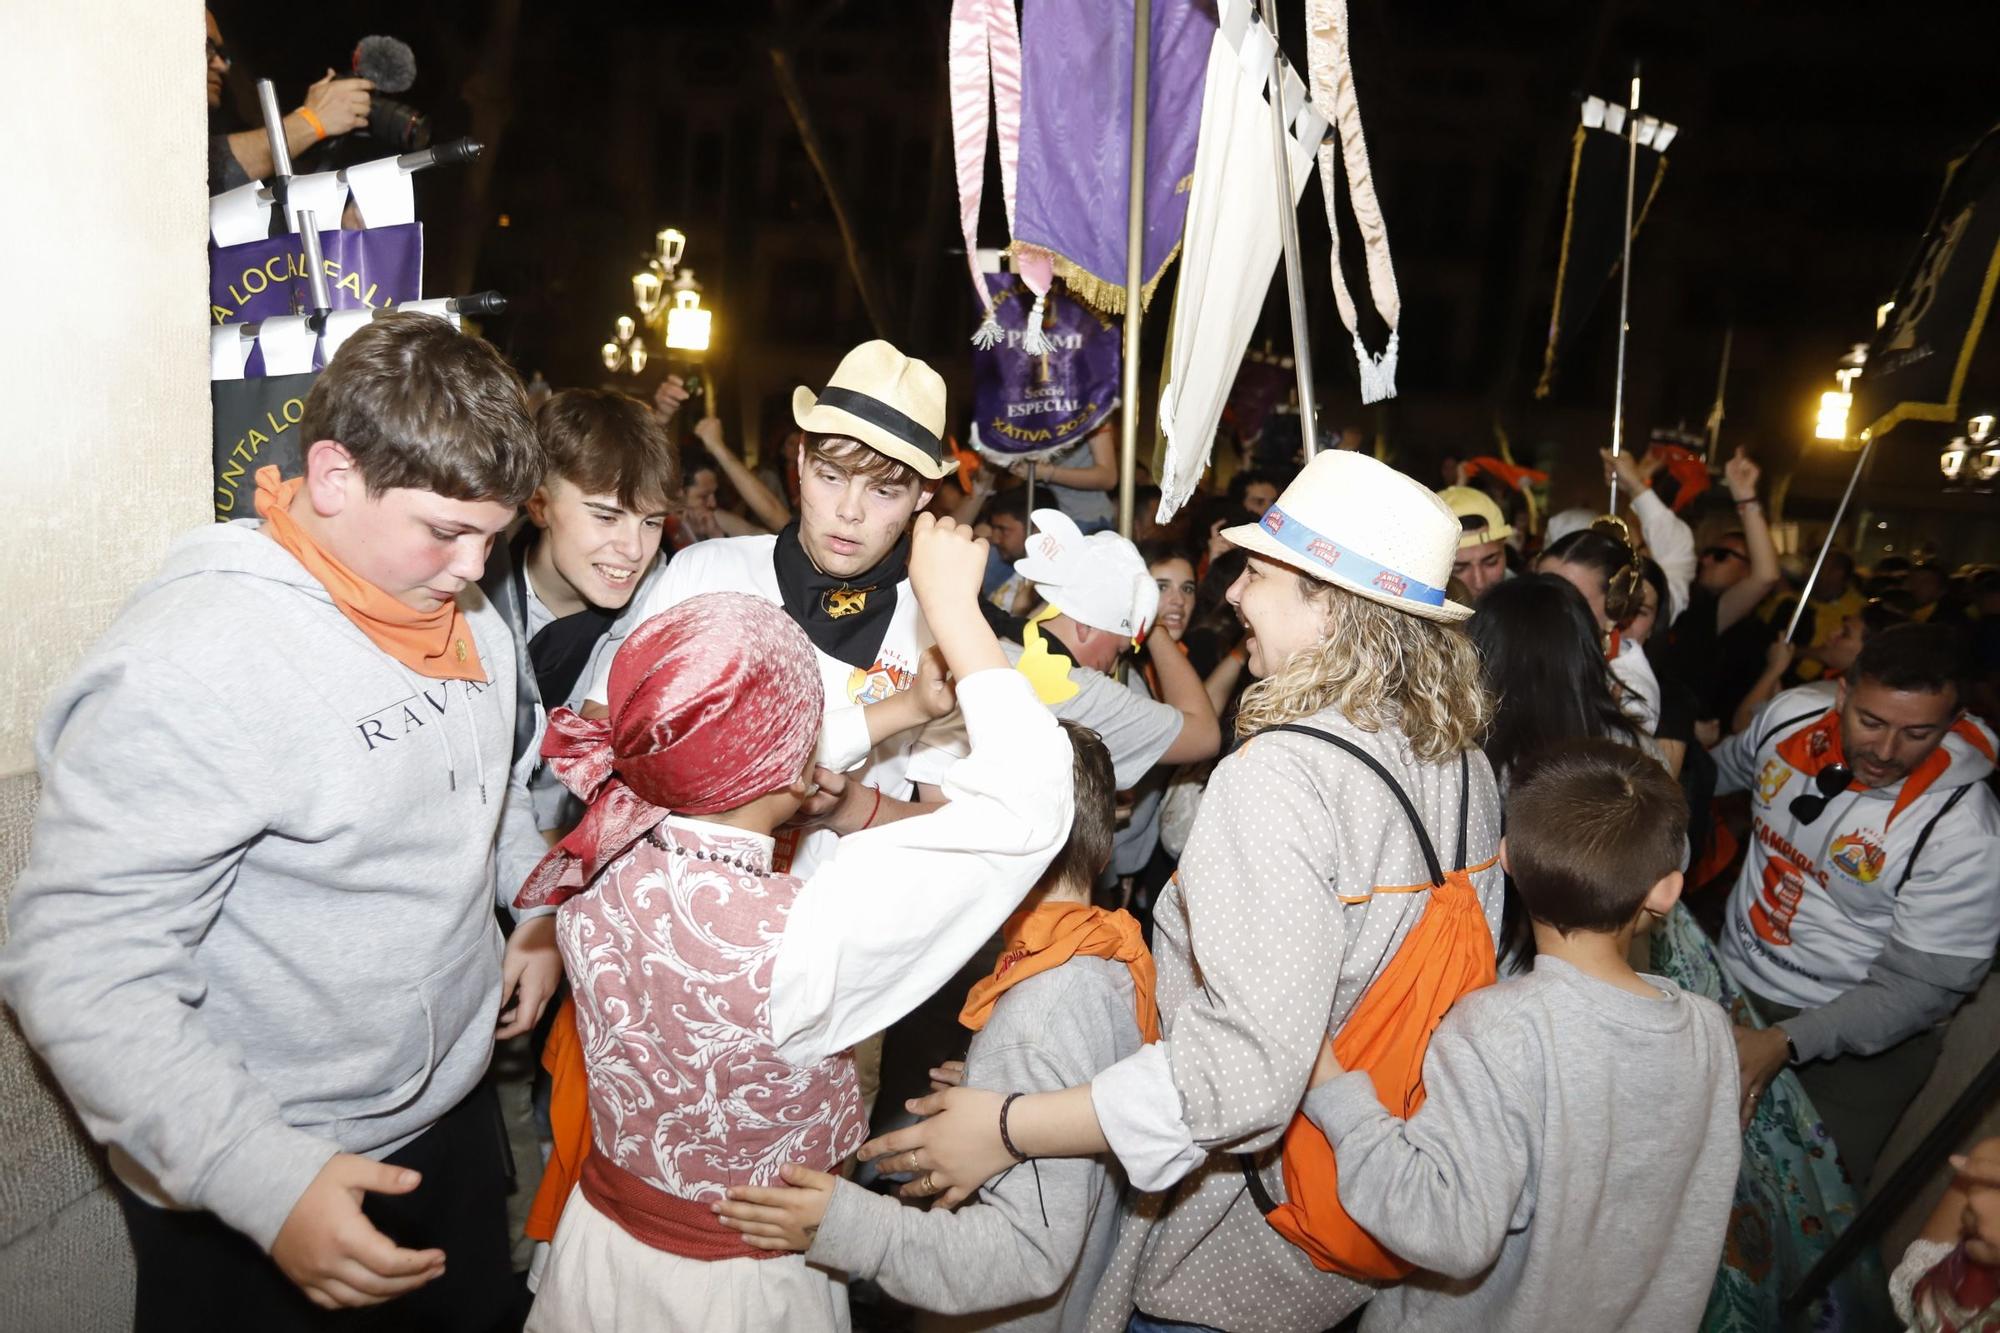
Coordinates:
<point>895,911</point>
<point>1671,543</point>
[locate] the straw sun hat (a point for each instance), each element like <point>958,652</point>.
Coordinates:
<point>1365,527</point>
<point>892,403</point>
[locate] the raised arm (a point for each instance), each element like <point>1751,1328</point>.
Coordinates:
<point>1181,688</point>
<point>769,508</point>
<point>1747,594</point>
<point>897,910</point>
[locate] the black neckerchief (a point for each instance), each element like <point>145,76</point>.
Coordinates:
<point>845,618</point>
<point>561,649</point>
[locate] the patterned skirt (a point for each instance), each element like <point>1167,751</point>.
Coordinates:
<point>1792,1197</point>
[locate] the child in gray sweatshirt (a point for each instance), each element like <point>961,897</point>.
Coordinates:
<point>1072,994</point>
<point>1573,1165</point>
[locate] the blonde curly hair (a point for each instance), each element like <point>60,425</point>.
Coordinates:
<point>1381,668</point>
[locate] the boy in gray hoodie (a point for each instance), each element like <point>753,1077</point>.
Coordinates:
<point>1574,1162</point>
<point>255,938</point>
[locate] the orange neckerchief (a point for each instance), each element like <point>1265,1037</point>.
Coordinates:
<point>1048,936</point>
<point>1818,746</point>
<point>437,644</point>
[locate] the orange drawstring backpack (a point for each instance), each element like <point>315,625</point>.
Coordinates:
<point>1448,952</point>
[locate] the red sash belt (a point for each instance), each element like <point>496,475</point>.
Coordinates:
<point>654,1217</point>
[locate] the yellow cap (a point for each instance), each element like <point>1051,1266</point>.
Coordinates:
<point>1480,518</point>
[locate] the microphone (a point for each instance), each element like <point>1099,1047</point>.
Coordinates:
<point>450,153</point>
<point>391,66</point>
<point>386,62</point>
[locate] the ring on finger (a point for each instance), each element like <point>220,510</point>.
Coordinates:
<point>930,1182</point>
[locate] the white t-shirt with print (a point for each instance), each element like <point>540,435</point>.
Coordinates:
<point>746,564</point>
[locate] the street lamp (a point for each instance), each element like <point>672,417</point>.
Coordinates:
<point>687,322</point>
<point>1834,404</point>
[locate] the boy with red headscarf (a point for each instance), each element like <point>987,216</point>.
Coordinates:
<point>716,998</point>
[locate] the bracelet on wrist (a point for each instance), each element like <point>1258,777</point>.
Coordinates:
<point>1745,504</point>
<point>874,810</point>
<point>1006,1139</point>
<point>313,123</point>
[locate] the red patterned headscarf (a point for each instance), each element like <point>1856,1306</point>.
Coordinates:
<point>714,703</point>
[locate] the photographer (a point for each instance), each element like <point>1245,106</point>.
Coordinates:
<point>333,107</point>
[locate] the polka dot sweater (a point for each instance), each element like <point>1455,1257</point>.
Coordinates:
<point>1266,939</point>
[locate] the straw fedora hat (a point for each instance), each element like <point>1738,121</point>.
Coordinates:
<point>1365,527</point>
<point>892,403</point>
<point>1480,520</point>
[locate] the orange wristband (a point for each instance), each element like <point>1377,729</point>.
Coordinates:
<point>318,129</point>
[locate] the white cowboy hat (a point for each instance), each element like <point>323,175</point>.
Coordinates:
<point>1100,580</point>
<point>892,403</point>
<point>1479,519</point>
<point>1363,526</point>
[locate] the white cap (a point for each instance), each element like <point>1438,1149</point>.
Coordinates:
<point>1100,580</point>
<point>1568,521</point>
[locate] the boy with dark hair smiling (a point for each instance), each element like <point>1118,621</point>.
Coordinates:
<point>571,583</point>
<point>1583,1115</point>
<point>255,937</point>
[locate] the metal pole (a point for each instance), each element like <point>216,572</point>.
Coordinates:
<point>1031,491</point>
<point>1625,279</point>
<point>1832,530</point>
<point>1135,260</point>
<point>1721,383</point>
<point>281,153</point>
<point>322,296</point>
<point>1288,228</point>
<point>1915,1171</point>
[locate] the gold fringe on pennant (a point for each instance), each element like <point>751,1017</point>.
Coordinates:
<point>1101,293</point>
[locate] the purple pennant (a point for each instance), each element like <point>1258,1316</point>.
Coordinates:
<point>1032,406</point>
<point>1076,126</point>
<point>261,279</point>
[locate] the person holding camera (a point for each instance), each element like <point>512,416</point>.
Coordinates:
<point>333,107</point>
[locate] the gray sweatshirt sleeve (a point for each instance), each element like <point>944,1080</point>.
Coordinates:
<point>1441,1188</point>
<point>1018,1241</point>
<point>520,846</point>
<point>151,789</point>
<point>1904,992</point>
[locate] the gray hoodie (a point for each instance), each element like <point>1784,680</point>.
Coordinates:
<point>256,925</point>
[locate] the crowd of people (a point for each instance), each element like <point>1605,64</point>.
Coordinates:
<point>1344,902</point>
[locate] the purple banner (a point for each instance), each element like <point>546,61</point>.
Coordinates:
<point>1030,405</point>
<point>364,269</point>
<point>1076,136</point>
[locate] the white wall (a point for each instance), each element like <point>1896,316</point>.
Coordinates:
<point>103,458</point>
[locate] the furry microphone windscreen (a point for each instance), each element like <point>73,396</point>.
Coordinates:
<point>387,62</point>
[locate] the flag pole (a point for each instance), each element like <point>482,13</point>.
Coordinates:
<point>1721,383</point>
<point>1135,262</point>
<point>1832,530</point>
<point>1625,279</point>
<point>1288,228</point>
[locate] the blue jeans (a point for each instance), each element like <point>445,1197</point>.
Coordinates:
<point>1144,1323</point>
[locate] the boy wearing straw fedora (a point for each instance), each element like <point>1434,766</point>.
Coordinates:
<point>872,456</point>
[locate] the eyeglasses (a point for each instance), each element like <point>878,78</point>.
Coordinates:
<point>1829,782</point>
<point>220,53</point>
<point>1723,553</point>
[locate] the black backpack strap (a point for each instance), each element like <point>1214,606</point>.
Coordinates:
<point>1464,804</point>
<point>1402,797</point>
<point>1786,725</point>
<point>1910,866</point>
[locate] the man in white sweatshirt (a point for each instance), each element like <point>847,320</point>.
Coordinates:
<point>255,938</point>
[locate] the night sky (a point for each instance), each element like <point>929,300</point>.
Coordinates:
<point>1813,142</point>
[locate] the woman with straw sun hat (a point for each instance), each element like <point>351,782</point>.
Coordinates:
<point>1341,881</point>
